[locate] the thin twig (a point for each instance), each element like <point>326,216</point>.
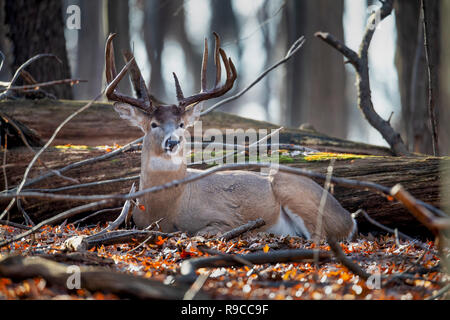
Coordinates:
<point>59,217</point>
<point>27,144</point>
<point>22,67</point>
<point>236,232</point>
<point>128,147</point>
<point>381,226</point>
<point>226,156</point>
<point>121,218</point>
<point>196,286</point>
<point>95,214</point>
<point>55,133</point>
<point>4,161</point>
<point>25,215</point>
<point>87,185</point>
<point>355,268</point>
<point>323,200</point>
<point>440,293</point>
<point>15,225</point>
<point>293,50</point>
<point>33,87</point>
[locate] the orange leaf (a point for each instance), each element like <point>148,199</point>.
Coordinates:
<point>266,248</point>
<point>142,207</point>
<point>160,240</point>
<point>185,254</point>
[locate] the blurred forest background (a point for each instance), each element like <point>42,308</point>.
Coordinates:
<point>315,87</point>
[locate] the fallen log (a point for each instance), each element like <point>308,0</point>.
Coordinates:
<point>91,278</point>
<point>419,175</point>
<point>100,125</point>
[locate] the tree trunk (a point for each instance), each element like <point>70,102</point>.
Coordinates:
<point>412,75</point>
<point>37,26</point>
<point>164,22</point>
<point>316,77</point>
<point>118,22</point>
<point>5,72</point>
<point>90,50</point>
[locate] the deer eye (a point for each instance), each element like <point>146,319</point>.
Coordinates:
<point>154,125</point>
<point>181,125</point>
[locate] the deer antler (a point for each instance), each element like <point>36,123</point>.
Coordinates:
<point>143,101</point>
<point>217,90</point>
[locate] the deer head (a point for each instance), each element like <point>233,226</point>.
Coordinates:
<point>164,125</point>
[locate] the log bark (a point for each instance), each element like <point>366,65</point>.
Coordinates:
<point>100,125</point>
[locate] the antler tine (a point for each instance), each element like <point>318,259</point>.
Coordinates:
<point>110,69</point>
<point>112,78</point>
<point>217,90</point>
<point>138,81</point>
<point>217,60</point>
<point>204,65</point>
<point>180,95</point>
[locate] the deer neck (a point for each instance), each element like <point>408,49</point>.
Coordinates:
<point>157,170</point>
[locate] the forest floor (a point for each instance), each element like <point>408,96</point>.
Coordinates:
<point>402,269</point>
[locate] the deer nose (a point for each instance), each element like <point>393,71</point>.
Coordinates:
<point>170,143</point>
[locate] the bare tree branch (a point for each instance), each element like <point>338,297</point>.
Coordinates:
<point>361,64</point>
<point>35,158</point>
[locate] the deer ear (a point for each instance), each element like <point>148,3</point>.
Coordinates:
<point>133,115</point>
<point>193,114</point>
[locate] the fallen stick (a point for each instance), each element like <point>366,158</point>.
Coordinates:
<point>59,217</point>
<point>188,267</point>
<point>383,227</point>
<point>91,278</point>
<point>236,232</point>
<point>15,225</point>
<point>81,243</point>
<point>121,218</point>
<point>420,212</point>
<point>339,254</point>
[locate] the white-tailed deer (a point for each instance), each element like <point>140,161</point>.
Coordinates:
<point>289,204</point>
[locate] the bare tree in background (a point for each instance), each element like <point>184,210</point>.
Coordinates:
<point>432,32</point>
<point>118,22</point>
<point>37,26</point>
<point>444,100</point>
<point>316,77</point>
<point>5,73</point>
<point>412,75</point>
<point>165,20</point>
<point>91,41</point>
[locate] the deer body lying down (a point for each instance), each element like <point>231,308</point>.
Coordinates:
<point>219,202</point>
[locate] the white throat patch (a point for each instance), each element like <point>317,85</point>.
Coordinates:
<point>164,164</point>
